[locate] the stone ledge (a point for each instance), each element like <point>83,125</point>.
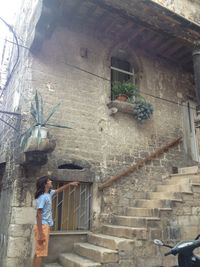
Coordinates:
<point>121,106</point>
<point>33,158</point>
<point>84,175</point>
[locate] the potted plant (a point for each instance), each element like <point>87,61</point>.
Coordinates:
<point>124,91</point>
<point>37,137</point>
<point>142,110</point>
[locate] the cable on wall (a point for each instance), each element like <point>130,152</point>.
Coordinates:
<point>88,72</point>
<point>17,59</point>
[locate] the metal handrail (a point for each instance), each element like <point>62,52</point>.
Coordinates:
<point>140,163</point>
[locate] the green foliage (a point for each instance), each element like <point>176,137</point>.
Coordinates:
<point>143,110</point>
<point>37,112</point>
<point>124,88</point>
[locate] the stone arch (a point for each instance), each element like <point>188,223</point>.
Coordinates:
<point>74,169</point>
<point>126,53</point>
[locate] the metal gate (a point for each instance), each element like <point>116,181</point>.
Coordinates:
<point>71,208</point>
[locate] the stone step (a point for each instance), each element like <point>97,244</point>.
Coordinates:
<point>96,253</point>
<point>146,212</point>
<point>164,195</point>
<point>183,187</point>
<point>151,203</point>
<point>182,179</point>
<point>125,231</point>
<point>188,170</point>
<point>51,265</point>
<point>195,187</point>
<point>111,242</point>
<point>73,260</point>
<point>136,221</point>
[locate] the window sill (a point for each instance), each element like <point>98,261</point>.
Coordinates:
<point>121,106</point>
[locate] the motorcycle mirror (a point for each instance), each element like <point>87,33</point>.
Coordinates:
<point>158,242</point>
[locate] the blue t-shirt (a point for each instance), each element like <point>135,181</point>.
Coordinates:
<point>44,202</point>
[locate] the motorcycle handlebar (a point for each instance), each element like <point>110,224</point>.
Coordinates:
<point>168,253</point>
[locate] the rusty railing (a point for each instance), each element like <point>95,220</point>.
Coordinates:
<point>140,163</point>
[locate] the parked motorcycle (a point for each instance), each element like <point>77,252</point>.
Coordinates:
<point>184,251</point>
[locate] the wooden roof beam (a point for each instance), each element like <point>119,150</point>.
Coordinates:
<point>173,49</point>
<point>165,45</point>
<point>182,53</point>
<point>157,18</point>
<point>133,36</point>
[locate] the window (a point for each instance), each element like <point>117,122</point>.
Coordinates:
<point>71,208</point>
<point>121,70</point>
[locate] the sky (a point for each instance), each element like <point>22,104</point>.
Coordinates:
<point>8,11</point>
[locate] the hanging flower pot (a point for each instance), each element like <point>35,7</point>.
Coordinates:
<point>40,140</point>
<point>37,137</point>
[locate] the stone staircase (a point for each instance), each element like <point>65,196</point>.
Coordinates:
<point>127,240</point>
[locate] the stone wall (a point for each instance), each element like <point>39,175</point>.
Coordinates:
<point>186,8</point>
<point>108,143</point>
<point>16,205</point>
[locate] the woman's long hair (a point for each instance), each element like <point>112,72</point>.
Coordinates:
<point>40,185</point>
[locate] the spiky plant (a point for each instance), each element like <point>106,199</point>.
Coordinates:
<point>37,112</point>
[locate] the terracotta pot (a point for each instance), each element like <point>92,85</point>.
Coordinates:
<point>122,98</point>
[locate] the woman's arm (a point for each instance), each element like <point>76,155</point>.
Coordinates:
<point>62,188</point>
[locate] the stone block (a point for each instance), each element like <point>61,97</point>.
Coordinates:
<point>16,230</point>
<point>111,242</point>
<point>189,232</point>
<point>195,211</point>
<point>13,262</point>
<point>155,234</point>
<point>23,215</point>
<point>73,260</point>
<point>96,253</point>
<point>188,170</point>
<point>186,220</point>
<point>127,263</point>
<point>18,247</point>
<point>125,232</point>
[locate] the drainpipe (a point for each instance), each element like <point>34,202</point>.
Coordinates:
<point>196,61</point>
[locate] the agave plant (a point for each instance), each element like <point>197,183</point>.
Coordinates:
<point>37,112</point>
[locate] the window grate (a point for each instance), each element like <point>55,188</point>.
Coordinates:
<point>71,208</point>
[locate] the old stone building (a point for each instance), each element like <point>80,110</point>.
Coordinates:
<point>71,52</point>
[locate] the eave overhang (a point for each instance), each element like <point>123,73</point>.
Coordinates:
<point>140,24</point>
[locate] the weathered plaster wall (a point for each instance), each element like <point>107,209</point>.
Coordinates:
<point>16,205</point>
<point>109,144</point>
<point>60,243</point>
<point>186,8</point>
<point>83,100</point>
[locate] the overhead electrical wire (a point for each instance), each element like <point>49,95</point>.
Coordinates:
<point>12,71</point>
<point>17,58</point>
<point>70,65</point>
<point>9,41</point>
